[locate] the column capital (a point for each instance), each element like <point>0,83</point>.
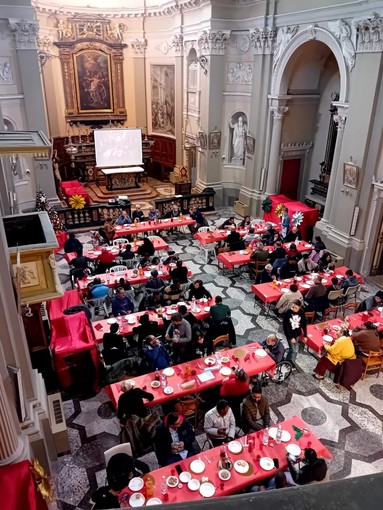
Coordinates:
<point>263,39</point>
<point>139,46</point>
<point>24,33</point>
<point>279,111</point>
<point>340,121</point>
<point>178,43</point>
<point>213,43</point>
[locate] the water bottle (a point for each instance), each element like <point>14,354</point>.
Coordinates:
<point>278,437</point>
<point>265,438</point>
<point>193,303</point>
<point>163,381</point>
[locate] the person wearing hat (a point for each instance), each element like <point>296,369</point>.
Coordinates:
<point>154,282</point>
<point>131,401</point>
<point>313,470</point>
<point>371,302</point>
<point>255,410</point>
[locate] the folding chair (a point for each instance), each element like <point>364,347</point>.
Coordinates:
<point>208,250</point>
<point>120,448</point>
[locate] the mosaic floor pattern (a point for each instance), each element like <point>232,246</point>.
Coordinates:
<point>349,423</point>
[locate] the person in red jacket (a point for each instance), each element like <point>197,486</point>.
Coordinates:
<point>105,260</point>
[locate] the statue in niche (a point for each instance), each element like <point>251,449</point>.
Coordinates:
<point>343,33</point>
<point>238,130</point>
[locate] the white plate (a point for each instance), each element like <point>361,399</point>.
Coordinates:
<point>180,303</point>
<point>305,286</point>
<point>234,447</point>
<point>111,321</point>
<point>196,309</point>
<point>90,278</point>
<point>137,499</point>
<point>147,273</point>
<point>298,278</point>
<point>136,484</point>
<point>224,475</point>
<point>286,436</point>
<point>132,320</point>
<point>193,484</point>
<point>287,280</point>
<point>293,449</point>
<point>153,501</point>
<point>327,338</point>
<point>207,308</point>
<point>241,252</point>
<point>207,490</point>
<point>210,361</point>
<point>260,353</point>
<point>266,463</point>
<point>225,371</point>
<point>170,312</point>
<point>134,276</point>
<point>197,466</point>
<point>155,384</point>
<point>225,359</point>
<point>168,371</point>
<point>241,466</point>
<point>97,252</point>
<point>172,481</point>
<point>284,290</point>
<point>168,390</point>
<point>204,300</point>
<point>339,276</point>
<point>307,245</point>
<point>185,477</point>
<point>324,280</point>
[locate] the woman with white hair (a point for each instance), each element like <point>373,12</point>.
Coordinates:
<point>131,401</point>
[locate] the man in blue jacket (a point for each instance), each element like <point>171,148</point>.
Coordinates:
<point>121,304</point>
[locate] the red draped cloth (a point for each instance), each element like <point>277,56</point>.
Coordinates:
<point>18,488</point>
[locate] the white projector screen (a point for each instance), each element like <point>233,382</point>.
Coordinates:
<point>118,147</point>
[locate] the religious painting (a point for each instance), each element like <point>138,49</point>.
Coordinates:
<point>237,138</point>
<point>350,175</point>
<point>93,81</point>
<point>215,140</point>
<point>162,81</point>
<point>250,145</point>
<point>202,140</point>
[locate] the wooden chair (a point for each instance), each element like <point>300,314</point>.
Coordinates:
<point>255,272</point>
<point>373,362</point>
<point>189,408</point>
<point>223,341</point>
<point>310,317</point>
<point>330,313</point>
<point>349,306</point>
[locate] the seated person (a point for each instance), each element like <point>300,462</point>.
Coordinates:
<point>219,423</point>
<point>318,243</point>
<point>153,301</point>
<point>72,244</point>
<point>145,261</point>
<point>313,470</point>
<point>188,316</point>
<point>198,217</point>
<point>179,273</point>
<point>174,440</point>
<point>350,281</point>
<point>371,302</point>
<point>80,263</point>
<point>260,254</point>
<point>306,265</point>
<point>227,223</point>
<point>335,285</point>
<point>154,214</point>
<point>250,236</point>
<point>220,322</point>
<point>175,211</point>
<point>255,411</point>
<point>278,253</point>
<point>233,238</point>
<point>121,304</point>
<point>287,299</point>
<point>154,282</point>
<point>281,480</point>
<point>316,297</point>
<point>325,261</point>
<point>366,339</point>
<point>138,214</point>
<point>131,401</point>
<point>179,334</point>
<point>98,289</point>
<point>245,223</point>
<point>316,254</point>
<point>270,231</point>
<point>197,290</point>
<point>274,347</point>
<point>124,219</point>
<point>173,293</point>
<point>267,275</point>
<point>156,357</point>
<point>146,247</point>
<point>114,347</point>
<point>145,329</point>
<point>342,349</point>
<point>288,269</point>
<point>235,385</point>
<point>169,258</point>
<point>293,235</point>
<point>126,286</point>
<point>127,254</point>
<point>105,260</point>
<point>292,251</point>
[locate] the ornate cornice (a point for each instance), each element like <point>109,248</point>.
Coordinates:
<point>295,149</point>
<point>139,46</point>
<point>369,33</point>
<point>213,42</point>
<point>263,39</point>
<point>24,33</point>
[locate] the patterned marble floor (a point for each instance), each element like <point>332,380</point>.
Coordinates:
<point>349,423</point>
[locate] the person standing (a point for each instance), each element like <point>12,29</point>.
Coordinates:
<point>72,244</point>
<point>294,327</point>
<point>285,222</point>
<point>131,401</point>
<point>180,334</point>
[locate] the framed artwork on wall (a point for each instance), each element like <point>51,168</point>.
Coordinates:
<point>202,140</point>
<point>250,145</point>
<point>350,175</point>
<point>162,88</point>
<point>215,140</point>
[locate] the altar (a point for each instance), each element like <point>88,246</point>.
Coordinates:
<point>122,178</point>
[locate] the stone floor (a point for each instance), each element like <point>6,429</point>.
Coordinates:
<point>349,423</point>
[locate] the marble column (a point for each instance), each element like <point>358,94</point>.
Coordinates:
<point>340,119</point>
<point>11,446</point>
<point>275,145</point>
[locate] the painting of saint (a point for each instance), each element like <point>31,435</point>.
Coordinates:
<point>163,102</point>
<point>237,138</point>
<point>93,81</point>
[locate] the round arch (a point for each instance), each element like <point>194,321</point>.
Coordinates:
<point>309,34</point>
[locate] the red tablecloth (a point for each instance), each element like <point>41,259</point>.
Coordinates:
<point>55,307</point>
<point>18,488</point>
<point>310,214</point>
<point>268,294</point>
<point>315,331</point>
<point>144,226</point>
<point>70,184</point>
<point>252,366</point>
<point>61,238</point>
<point>127,329</point>
<point>221,235</point>
<point>237,481</point>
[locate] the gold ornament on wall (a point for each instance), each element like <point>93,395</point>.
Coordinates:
<point>42,480</point>
<point>279,210</point>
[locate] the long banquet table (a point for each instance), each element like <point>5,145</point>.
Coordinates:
<point>268,294</point>
<point>200,312</point>
<point>244,357</point>
<point>146,226</point>
<point>221,234</point>
<point>255,473</point>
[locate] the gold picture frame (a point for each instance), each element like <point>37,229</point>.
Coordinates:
<point>350,175</point>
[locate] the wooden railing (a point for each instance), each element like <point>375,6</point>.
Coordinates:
<point>92,215</point>
<point>204,201</point>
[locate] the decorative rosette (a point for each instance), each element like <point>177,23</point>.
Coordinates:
<point>297,218</point>
<point>279,210</point>
<point>266,205</point>
<point>77,202</point>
